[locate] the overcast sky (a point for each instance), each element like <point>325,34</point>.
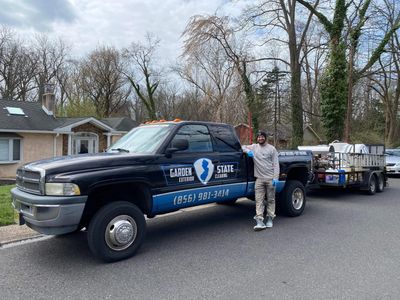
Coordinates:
<point>85,24</point>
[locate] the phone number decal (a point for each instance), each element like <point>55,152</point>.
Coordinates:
<point>200,196</point>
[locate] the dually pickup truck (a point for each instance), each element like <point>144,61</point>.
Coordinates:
<point>154,169</point>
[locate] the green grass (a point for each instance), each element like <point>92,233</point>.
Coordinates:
<point>7,215</point>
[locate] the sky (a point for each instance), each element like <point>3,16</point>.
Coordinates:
<point>86,24</point>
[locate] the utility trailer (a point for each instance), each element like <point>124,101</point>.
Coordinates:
<point>364,171</point>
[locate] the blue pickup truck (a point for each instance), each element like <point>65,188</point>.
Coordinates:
<point>156,168</point>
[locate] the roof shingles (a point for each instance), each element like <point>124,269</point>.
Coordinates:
<point>36,119</point>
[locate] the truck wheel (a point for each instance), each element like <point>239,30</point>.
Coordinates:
<point>116,231</point>
<point>372,185</point>
<point>293,198</point>
<point>381,183</point>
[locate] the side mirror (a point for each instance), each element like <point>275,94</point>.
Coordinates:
<point>177,145</point>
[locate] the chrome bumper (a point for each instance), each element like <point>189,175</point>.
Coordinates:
<point>48,214</point>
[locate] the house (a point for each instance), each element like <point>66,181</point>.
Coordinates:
<point>30,131</point>
<point>311,137</point>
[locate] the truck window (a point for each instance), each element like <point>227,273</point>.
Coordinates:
<point>142,139</point>
<point>198,137</point>
<point>224,138</point>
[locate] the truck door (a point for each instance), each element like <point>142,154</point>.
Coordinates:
<point>232,168</point>
<point>188,174</point>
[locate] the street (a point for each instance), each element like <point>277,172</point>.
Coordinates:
<point>345,245</point>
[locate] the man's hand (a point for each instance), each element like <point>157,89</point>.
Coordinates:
<point>250,153</point>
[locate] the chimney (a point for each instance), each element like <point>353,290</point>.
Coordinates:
<point>48,99</point>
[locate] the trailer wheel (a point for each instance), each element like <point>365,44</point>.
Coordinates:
<point>293,198</point>
<point>380,186</point>
<point>116,231</point>
<point>372,185</point>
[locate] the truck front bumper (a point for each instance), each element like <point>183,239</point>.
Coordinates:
<point>49,214</point>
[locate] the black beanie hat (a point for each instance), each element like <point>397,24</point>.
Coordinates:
<point>263,133</point>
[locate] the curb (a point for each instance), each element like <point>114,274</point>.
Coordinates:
<point>15,233</point>
<point>17,240</point>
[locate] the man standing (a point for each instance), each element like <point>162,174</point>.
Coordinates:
<point>266,171</point>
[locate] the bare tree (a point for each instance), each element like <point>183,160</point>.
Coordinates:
<point>340,76</point>
<point>141,74</point>
<point>202,30</point>
<point>17,67</point>
<point>283,15</point>
<point>102,80</point>
<point>386,79</point>
<point>207,68</point>
<point>51,56</point>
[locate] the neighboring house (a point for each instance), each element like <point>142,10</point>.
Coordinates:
<point>30,131</point>
<point>244,134</point>
<point>311,137</point>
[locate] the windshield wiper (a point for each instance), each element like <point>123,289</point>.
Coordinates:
<point>120,150</point>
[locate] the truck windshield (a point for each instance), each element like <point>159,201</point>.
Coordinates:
<point>142,139</point>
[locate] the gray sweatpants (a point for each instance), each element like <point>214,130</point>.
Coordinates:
<point>265,197</point>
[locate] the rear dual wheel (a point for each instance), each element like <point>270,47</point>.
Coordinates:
<point>292,200</point>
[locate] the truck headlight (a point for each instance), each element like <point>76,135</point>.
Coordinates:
<point>62,189</point>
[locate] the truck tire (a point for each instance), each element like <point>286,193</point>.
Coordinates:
<point>380,185</point>
<point>293,198</point>
<point>116,231</point>
<point>372,184</point>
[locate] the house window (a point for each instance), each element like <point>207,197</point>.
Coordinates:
<point>10,150</point>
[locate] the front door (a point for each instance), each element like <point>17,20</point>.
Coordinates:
<point>85,143</point>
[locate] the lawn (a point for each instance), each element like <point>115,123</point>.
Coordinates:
<point>6,209</point>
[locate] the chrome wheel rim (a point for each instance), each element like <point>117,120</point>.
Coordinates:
<point>121,232</point>
<point>297,198</point>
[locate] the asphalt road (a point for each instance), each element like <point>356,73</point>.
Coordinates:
<point>345,245</point>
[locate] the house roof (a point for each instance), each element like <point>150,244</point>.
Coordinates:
<point>68,124</point>
<point>308,126</point>
<point>121,124</point>
<point>36,119</point>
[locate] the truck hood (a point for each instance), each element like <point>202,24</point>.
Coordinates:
<point>81,162</point>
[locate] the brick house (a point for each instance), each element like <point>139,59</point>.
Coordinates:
<point>30,131</point>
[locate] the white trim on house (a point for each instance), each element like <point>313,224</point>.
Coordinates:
<point>69,143</point>
<point>34,131</point>
<point>88,120</point>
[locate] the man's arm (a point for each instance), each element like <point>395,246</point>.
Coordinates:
<point>276,164</point>
<point>247,148</point>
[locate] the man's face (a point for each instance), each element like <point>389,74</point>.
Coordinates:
<point>261,139</point>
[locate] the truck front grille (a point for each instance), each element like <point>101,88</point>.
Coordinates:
<point>29,181</point>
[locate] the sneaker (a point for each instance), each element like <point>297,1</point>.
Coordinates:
<point>269,223</point>
<point>260,225</point>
